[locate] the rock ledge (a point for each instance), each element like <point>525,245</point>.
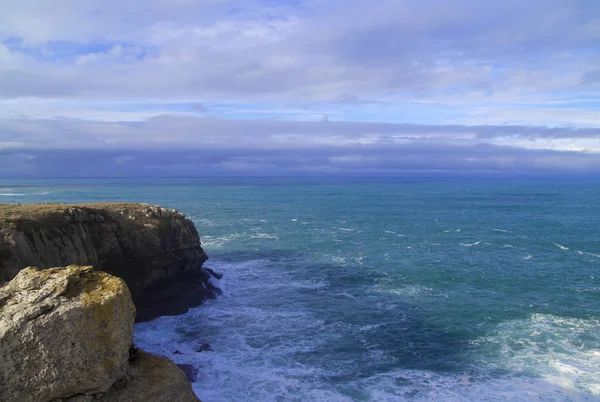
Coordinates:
<point>157,251</point>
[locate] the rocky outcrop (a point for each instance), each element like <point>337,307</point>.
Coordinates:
<point>66,334</point>
<point>149,378</point>
<point>156,251</point>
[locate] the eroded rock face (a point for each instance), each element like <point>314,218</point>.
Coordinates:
<point>156,251</point>
<point>63,331</point>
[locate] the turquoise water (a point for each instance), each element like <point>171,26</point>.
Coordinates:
<point>380,290</point>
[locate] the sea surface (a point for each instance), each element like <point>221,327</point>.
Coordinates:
<point>380,289</point>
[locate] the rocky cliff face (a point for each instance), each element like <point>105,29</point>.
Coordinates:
<point>156,251</point>
<point>66,333</point>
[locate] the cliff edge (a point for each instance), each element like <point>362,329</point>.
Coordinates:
<point>155,250</point>
<point>66,335</point>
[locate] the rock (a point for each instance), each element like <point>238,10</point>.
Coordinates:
<point>172,296</point>
<point>215,274</point>
<point>150,378</point>
<point>190,371</point>
<point>66,335</point>
<point>205,347</point>
<point>63,331</point>
<point>156,251</point>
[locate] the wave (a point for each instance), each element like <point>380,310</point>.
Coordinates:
<point>470,244</point>
<point>586,253</point>
<point>561,351</point>
<point>560,246</point>
<point>412,291</point>
<point>270,349</point>
<point>394,233</point>
<point>264,236</point>
<point>23,194</point>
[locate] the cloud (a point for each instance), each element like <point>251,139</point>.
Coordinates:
<point>175,144</point>
<point>296,51</point>
<point>303,86</point>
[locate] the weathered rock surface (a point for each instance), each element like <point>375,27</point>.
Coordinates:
<point>66,333</point>
<point>156,251</point>
<point>63,332</point>
<point>150,378</point>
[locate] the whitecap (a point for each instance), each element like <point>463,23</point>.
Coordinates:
<point>528,257</point>
<point>220,241</point>
<point>394,233</point>
<point>586,253</point>
<point>411,290</point>
<point>501,230</point>
<point>551,348</point>
<point>12,194</point>
<point>561,246</point>
<point>470,244</point>
<point>264,236</point>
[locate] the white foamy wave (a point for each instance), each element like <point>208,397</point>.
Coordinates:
<point>11,194</point>
<point>586,253</point>
<point>394,233</point>
<point>309,284</point>
<point>220,241</point>
<point>470,244</point>
<point>338,260</point>
<point>561,352</point>
<point>501,230</point>
<point>560,246</point>
<point>346,229</point>
<point>418,385</point>
<point>414,291</point>
<point>267,353</point>
<point>528,257</point>
<point>264,236</point>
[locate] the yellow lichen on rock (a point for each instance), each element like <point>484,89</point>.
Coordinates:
<point>63,331</point>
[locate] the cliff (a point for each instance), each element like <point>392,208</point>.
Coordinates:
<point>66,334</point>
<point>156,251</point>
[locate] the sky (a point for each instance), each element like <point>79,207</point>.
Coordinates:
<point>299,87</point>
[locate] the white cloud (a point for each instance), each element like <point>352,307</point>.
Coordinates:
<point>312,51</point>
<point>83,74</point>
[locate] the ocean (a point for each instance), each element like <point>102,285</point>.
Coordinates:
<point>380,289</point>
